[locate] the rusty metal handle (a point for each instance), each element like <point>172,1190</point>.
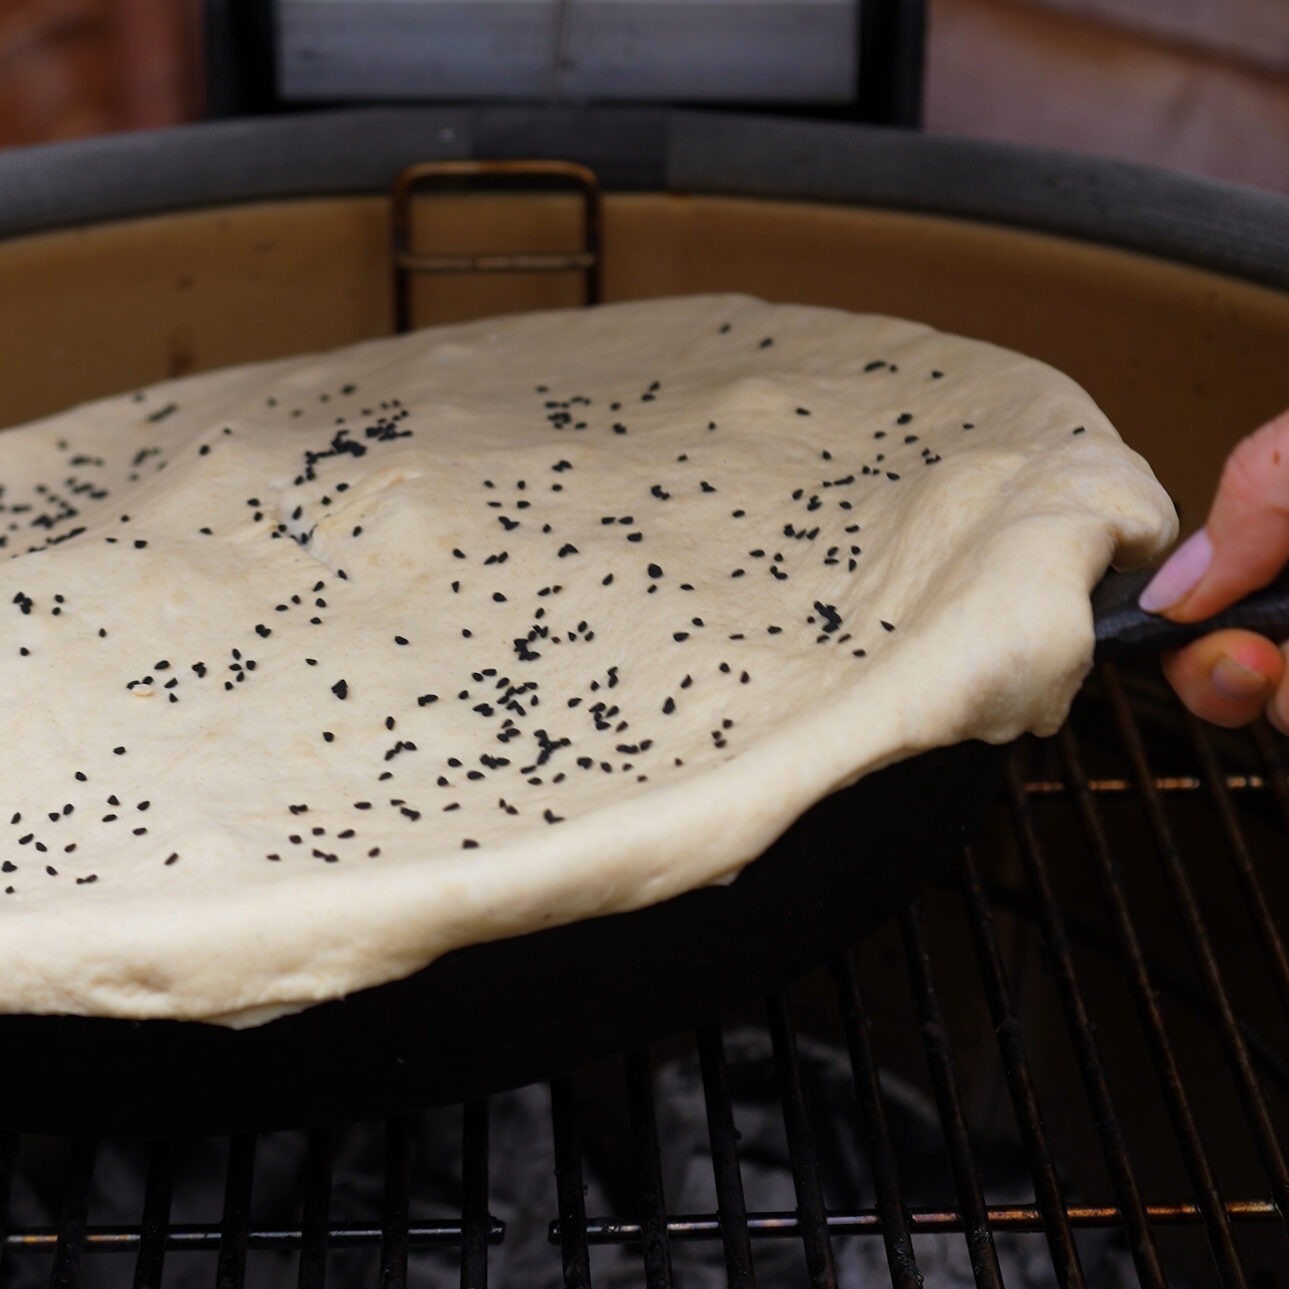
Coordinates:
<point>505,174</point>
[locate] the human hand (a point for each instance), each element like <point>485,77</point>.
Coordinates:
<point>1229,677</point>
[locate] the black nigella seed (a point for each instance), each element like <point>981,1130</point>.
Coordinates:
<point>887,626</point>
<point>767,342</point>
<point>1080,429</point>
<point>119,751</point>
<point>400,640</point>
<point>654,570</point>
<point>469,844</point>
<point>327,736</point>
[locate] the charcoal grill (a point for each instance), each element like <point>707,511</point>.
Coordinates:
<point>1082,1034</point>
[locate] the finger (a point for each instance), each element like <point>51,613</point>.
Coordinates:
<point>1230,677</point>
<point>1245,540</point>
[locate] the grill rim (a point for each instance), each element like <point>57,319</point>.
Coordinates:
<point>1232,229</point>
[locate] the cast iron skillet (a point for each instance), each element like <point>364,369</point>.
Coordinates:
<point>499,1015</point>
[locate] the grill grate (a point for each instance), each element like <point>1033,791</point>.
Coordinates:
<point>1100,992</point>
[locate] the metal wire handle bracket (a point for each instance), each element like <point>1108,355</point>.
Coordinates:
<point>505,174</point>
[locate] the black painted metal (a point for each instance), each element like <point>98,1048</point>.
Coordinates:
<point>234,1227</point>
<point>723,1138</point>
<point>315,1187</point>
<point>811,1213</point>
<point>892,41</point>
<point>1137,971</point>
<point>1179,883</point>
<point>395,1216</point>
<point>944,1083</point>
<point>475,1220</point>
<point>568,1183</point>
<point>1020,1079</point>
<point>900,1255</point>
<point>155,1225</point>
<point>8,1155</point>
<point>1273,945</point>
<point>644,1140</point>
<point>1124,629</point>
<point>73,1218</point>
<point>1114,1149</point>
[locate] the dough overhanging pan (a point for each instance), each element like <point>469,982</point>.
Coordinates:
<point>505,1013</point>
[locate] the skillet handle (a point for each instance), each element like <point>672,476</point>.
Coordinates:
<point>1123,629</point>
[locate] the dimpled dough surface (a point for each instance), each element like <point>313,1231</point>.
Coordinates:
<point>317,669</point>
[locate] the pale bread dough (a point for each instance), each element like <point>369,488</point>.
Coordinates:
<point>189,584</point>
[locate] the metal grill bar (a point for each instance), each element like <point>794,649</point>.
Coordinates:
<point>1242,859</point>
<point>731,1205</point>
<point>155,1226</point>
<point>944,1083</point>
<point>1162,783</point>
<point>204,1237</point>
<point>1277,766</point>
<point>395,1214</point>
<point>1078,1023</point>
<point>568,1184</point>
<point>8,1155</point>
<point>1237,1053</point>
<point>1020,1079</point>
<point>315,1212</point>
<point>235,1225</point>
<point>475,1219</point>
<point>801,1148</point>
<point>644,1140</point>
<point>1020,1218</point>
<point>880,1152</point>
<point>1147,1006</point>
<point>72,1220</point>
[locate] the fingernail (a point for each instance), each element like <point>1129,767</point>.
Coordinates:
<point>1236,682</point>
<point>1180,574</point>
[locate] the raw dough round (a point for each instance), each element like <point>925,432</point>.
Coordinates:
<point>314,670</point>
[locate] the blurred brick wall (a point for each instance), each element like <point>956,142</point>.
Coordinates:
<point>77,67</point>
<point>1200,86</point>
